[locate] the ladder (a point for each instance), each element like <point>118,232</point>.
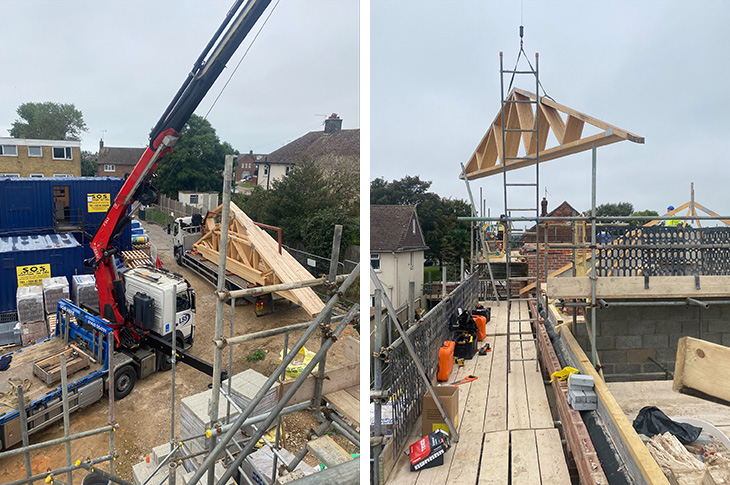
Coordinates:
<point>526,212</point>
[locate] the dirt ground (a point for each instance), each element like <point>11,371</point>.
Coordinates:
<point>144,416</point>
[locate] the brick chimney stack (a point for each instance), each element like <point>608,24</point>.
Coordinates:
<point>332,124</point>
<point>543,206</point>
<point>101,143</point>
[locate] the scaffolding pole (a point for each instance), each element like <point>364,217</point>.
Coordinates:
<point>210,459</point>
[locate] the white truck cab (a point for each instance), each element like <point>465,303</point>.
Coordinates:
<point>174,301</point>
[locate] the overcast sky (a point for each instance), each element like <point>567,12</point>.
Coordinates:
<point>655,68</point>
<point>121,62</point>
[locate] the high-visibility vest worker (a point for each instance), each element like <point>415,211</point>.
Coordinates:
<point>672,222</point>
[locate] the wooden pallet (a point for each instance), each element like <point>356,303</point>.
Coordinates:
<point>135,258</point>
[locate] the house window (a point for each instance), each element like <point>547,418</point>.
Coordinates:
<point>287,169</point>
<point>193,199</point>
<point>62,153</point>
<point>108,167</point>
<point>266,170</point>
<point>9,150</point>
<point>37,175</point>
<point>375,261</point>
<point>17,175</point>
<point>62,175</point>
<point>411,260</point>
<point>35,152</point>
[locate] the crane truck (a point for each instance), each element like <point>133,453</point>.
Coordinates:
<point>139,308</point>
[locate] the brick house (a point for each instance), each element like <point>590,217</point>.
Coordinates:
<point>247,164</point>
<point>557,232</point>
<point>333,149</point>
<point>20,157</point>
<point>397,247</point>
<point>117,161</point>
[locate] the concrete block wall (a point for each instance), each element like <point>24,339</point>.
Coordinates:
<point>627,337</point>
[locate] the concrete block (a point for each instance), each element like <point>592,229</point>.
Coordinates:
<point>726,339</point>
<point>718,326</point>
<point>584,406</point>
<point>690,327</point>
<point>646,327</point>
<point>591,396</point>
<point>627,368</point>
<point>614,327</point>
<point>724,311</point>
<point>607,368</point>
<point>713,337</point>
<point>655,341</point>
<point>605,342</point>
<point>639,356</point>
<point>666,355</point>
<point>576,396</point>
<point>159,453</point>
<point>674,340</point>
<point>580,382</point>
<point>613,356</point>
<point>668,327</point>
<point>628,342</point>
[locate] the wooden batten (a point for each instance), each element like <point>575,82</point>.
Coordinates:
<point>629,287</point>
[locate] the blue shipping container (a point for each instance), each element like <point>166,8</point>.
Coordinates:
<point>35,205</point>
<point>26,260</point>
<point>59,204</point>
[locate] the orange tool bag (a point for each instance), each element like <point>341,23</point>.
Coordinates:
<point>481,326</point>
<point>446,360</point>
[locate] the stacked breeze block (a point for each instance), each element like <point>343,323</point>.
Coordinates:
<point>581,395</point>
<point>54,289</point>
<point>259,465</point>
<point>33,332</point>
<point>83,291</point>
<point>244,387</point>
<point>10,333</point>
<point>30,304</point>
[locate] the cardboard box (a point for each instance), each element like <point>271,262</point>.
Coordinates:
<point>432,419</point>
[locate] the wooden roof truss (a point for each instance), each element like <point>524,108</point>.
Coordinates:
<point>566,125</point>
<point>254,255</point>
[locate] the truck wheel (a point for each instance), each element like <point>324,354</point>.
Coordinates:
<point>178,256</point>
<point>164,360</point>
<point>124,380</point>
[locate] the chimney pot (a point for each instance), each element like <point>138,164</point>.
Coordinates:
<point>101,143</point>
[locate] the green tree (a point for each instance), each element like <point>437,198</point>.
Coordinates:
<point>446,237</point>
<point>406,191</point>
<point>644,213</point>
<point>197,160</point>
<point>620,209</point>
<point>306,204</point>
<point>48,121</point>
<point>88,164</point>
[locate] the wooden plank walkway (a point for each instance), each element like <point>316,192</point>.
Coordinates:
<point>505,426</point>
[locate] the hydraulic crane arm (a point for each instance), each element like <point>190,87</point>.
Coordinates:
<point>137,189</point>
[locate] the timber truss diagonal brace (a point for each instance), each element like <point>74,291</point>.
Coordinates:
<point>521,120</point>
